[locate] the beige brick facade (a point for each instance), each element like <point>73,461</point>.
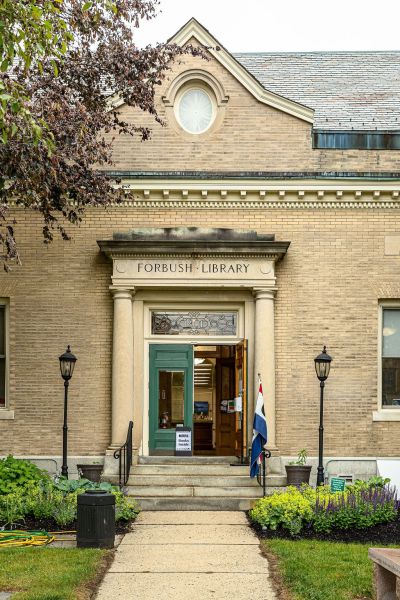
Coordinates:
<point>329,284</point>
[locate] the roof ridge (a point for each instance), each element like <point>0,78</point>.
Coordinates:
<point>300,52</point>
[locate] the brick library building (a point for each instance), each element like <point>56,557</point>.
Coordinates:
<point>260,223</point>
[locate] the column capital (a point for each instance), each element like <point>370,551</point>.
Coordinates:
<point>122,293</point>
<point>264,293</point>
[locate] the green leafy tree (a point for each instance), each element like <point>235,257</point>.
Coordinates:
<point>57,58</point>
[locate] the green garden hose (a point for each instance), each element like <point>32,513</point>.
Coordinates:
<point>17,538</point>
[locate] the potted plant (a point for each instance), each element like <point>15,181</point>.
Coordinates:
<point>91,471</point>
<point>297,471</point>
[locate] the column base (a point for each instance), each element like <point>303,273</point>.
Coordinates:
<point>111,464</point>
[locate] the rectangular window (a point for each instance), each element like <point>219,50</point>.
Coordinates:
<point>3,369</point>
<point>391,358</point>
<point>196,322</point>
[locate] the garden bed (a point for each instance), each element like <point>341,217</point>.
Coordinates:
<point>31,500</point>
<point>383,533</point>
<point>30,524</point>
<point>366,511</point>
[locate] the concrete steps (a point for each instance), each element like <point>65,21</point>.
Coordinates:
<point>196,483</point>
<point>191,469</point>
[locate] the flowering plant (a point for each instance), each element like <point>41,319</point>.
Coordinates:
<point>359,506</point>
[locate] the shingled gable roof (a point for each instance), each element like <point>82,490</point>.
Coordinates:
<point>348,90</point>
<point>194,29</point>
<point>339,91</point>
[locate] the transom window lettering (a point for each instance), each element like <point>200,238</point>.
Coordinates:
<point>391,359</point>
<point>193,323</point>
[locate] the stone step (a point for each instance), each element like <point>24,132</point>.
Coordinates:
<point>230,480</point>
<point>187,460</point>
<point>190,469</point>
<point>195,503</point>
<point>145,491</point>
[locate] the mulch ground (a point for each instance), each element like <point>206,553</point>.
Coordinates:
<point>50,525</point>
<point>385,533</point>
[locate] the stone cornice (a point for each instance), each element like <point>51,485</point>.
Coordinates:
<point>148,185</point>
<point>287,203</point>
<point>125,249</point>
<point>258,193</point>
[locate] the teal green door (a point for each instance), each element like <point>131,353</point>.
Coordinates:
<point>170,394</point>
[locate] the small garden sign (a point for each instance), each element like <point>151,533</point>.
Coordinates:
<point>338,484</point>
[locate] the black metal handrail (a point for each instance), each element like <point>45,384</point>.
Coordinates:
<point>261,475</point>
<point>124,455</point>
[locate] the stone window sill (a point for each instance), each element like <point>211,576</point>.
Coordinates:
<point>386,415</point>
<point>6,414</point>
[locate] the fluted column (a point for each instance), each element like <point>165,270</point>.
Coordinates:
<point>122,366</point>
<point>264,355</point>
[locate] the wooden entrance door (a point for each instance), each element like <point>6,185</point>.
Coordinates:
<point>241,392</point>
<point>231,382</point>
<point>225,420</point>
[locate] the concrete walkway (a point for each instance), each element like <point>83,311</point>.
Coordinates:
<point>188,555</point>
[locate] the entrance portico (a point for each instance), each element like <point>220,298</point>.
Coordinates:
<point>201,271</point>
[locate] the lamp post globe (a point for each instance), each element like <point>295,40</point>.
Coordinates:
<point>322,367</point>
<point>67,365</point>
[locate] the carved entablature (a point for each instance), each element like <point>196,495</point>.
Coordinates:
<point>193,257</point>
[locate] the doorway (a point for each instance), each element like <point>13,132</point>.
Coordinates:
<point>203,387</point>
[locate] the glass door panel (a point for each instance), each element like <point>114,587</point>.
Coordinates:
<point>171,401</point>
<point>170,394</point>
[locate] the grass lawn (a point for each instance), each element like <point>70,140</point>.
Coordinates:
<point>314,570</point>
<point>51,573</point>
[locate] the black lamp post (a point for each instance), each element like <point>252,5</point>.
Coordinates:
<point>322,368</point>
<point>67,364</point>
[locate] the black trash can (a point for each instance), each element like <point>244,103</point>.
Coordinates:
<point>96,520</point>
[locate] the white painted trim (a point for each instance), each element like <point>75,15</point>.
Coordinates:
<point>386,415</point>
<point>187,303</point>
<point>193,29</point>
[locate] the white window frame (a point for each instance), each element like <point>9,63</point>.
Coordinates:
<point>384,414</point>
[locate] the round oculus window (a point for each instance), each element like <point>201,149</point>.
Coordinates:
<point>195,111</point>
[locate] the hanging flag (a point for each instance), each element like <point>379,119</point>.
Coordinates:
<point>259,433</point>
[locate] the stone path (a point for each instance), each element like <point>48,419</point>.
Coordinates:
<point>188,556</point>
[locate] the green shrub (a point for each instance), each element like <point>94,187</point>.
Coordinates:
<point>359,506</point>
<point>355,508</point>
<point>16,473</point>
<point>12,508</point>
<point>289,510</point>
<point>65,509</point>
<point>73,485</point>
<point>26,491</point>
<point>126,509</point>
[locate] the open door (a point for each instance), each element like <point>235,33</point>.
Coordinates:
<point>225,414</point>
<point>241,400</point>
<point>170,394</point>
<point>231,414</point>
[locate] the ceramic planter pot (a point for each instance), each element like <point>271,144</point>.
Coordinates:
<point>91,472</point>
<point>296,474</point>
